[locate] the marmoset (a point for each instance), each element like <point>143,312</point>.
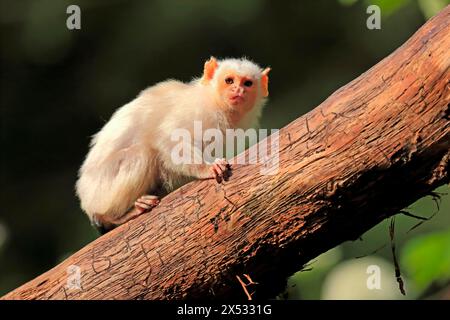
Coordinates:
<point>129,166</point>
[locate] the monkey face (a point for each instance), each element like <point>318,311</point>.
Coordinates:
<point>239,92</point>
<point>238,84</point>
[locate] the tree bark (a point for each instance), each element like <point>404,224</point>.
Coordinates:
<point>373,147</point>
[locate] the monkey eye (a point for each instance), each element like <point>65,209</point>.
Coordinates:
<point>229,80</point>
<point>248,83</point>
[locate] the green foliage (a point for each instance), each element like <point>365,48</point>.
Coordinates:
<point>423,252</point>
<point>428,7</point>
<point>387,7</point>
<point>307,283</point>
<point>426,259</point>
<point>431,7</point>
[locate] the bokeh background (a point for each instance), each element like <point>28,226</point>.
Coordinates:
<point>59,86</point>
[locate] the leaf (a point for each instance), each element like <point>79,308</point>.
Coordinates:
<point>426,258</point>
<point>387,7</point>
<point>431,7</point>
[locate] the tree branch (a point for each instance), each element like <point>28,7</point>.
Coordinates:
<point>372,148</point>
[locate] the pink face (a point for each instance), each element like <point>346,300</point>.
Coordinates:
<point>239,92</point>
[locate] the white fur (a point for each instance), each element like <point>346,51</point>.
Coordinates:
<point>243,67</point>
<point>130,156</point>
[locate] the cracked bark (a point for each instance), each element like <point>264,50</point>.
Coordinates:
<point>372,148</point>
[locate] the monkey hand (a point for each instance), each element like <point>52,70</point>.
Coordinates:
<point>220,170</point>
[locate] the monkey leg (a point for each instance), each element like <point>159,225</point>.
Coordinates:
<point>145,203</point>
<point>220,170</point>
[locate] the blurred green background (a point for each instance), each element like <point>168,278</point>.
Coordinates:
<point>59,86</point>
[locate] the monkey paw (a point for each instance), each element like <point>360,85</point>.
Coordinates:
<point>146,203</point>
<point>220,170</point>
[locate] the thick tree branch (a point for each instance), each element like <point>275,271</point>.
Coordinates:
<point>372,148</point>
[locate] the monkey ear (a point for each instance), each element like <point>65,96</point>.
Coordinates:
<point>209,69</point>
<point>265,82</point>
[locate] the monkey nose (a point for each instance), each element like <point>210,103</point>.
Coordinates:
<point>240,91</point>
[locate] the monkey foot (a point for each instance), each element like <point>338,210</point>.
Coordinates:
<point>143,204</point>
<point>220,170</point>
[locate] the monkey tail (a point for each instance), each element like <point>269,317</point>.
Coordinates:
<point>111,186</point>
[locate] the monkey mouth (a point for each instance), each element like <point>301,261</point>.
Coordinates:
<point>236,99</point>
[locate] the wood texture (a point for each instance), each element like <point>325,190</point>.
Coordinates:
<point>372,148</point>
